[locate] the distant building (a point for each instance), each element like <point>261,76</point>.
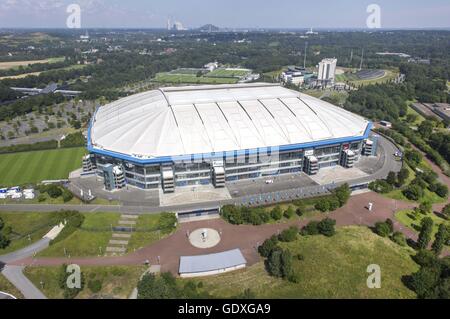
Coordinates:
<point>386,124</point>
<point>311,32</point>
<point>211,66</point>
<point>327,71</point>
<point>293,75</point>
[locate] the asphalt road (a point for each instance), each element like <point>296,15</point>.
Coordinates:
<point>15,275</point>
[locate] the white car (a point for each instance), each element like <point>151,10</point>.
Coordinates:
<point>269,181</point>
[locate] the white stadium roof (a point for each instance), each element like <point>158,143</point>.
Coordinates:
<point>206,119</point>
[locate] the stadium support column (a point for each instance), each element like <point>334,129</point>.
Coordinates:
<point>370,146</point>
<point>168,180</point>
<point>89,163</point>
<point>348,158</point>
<point>311,166</point>
<point>218,174</point>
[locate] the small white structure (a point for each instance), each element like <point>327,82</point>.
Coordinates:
<point>211,66</point>
<point>213,264</point>
<point>29,194</point>
<point>370,207</point>
<point>3,192</point>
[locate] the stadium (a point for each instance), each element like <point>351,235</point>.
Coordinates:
<point>211,135</point>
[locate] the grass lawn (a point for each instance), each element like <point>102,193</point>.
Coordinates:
<point>332,268</point>
<point>146,232</point>
<point>34,167</point>
<point>192,79</point>
<point>389,75</point>
<point>227,73</point>
<point>117,281</point>
<point>90,240</point>
<point>34,224</point>
<point>406,217</point>
<point>6,286</point>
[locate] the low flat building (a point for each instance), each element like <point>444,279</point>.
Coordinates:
<point>212,264</point>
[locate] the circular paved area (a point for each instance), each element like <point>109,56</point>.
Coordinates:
<point>204,238</point>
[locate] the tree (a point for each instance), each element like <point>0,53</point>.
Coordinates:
<point>311,228</point>
<point>276,213</point>
<point>153,287</point>
<point>4,238</point>
<point>279,263</point>
<point>446,211</point>
<point>289,212</point>
<point>399,238</point>
<point>425,129</point>
<point>289,235</point>
<point>382,229</point>
<point>424,281</point>
<point>413,192</point>
<point>441,190</point>
<point>391,178</point>
<point>323,206</point>
<point>268,246</point>
<point>343,193</point>
<point>326,227</point>
<point>441,238</point>
<point>425,233</point>
<point>402,176</point>
<point>425,207</point>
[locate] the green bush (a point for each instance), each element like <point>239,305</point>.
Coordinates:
<point>323,206</point>
<point>311,228</point>
<point>167,222</point>
<point>326,227</point>
<point>288,235</point>
<point>67,195</point>
<point>276,213</point>
<point>268,246</point>
<point>441,190</point>
<point>413,192</point>
<point>289,212</point>
<point>380,186</point>
<point>399,238</point>
<point>54,191</point>
<point>382,229</point>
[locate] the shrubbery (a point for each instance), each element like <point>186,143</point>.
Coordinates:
<point>380,186</point>
<point>289,234</point>
<point>324,227</point>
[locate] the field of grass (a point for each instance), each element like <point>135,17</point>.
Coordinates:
<point>228,73</point>
<point>192,79</point>
<point>117,281</point>
<point>412,221</point>
<point>16,64</point>
<point>36,166</point>
<point>23,224</point>
<point>332,268</point>
<point>146,232</point>
<point>353,79</point>
<point>6,286</point>
<point>90,240</point>
<point>24,75</point>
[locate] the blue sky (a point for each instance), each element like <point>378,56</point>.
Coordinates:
<point>226,13</point>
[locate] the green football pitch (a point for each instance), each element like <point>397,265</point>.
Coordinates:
<point>34,167</point>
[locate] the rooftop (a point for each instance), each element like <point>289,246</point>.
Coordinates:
<point>217,118</point>
<point>211,262</point>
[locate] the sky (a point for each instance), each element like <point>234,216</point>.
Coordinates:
<point>225,13</point>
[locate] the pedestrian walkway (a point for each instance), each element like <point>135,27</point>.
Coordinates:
<point>118,243</point>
